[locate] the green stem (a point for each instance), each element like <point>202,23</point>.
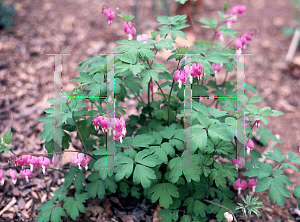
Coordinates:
<point>79,132</point>
<point>173,84</point>
<point>136,96</point>
<point>213,39</point>
<point>149,98</point>
<point>168,106</point>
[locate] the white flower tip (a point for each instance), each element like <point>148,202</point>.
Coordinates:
<point>14,181</point>
<point>86,167</point>
<point>129,37</point>
<point>179,84</point>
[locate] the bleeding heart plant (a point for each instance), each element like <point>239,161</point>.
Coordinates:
<point>169,152</point>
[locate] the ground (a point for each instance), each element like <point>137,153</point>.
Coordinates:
<point>26,79</point>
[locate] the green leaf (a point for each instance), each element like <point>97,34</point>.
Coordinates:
<point>205,21</point>
<point>127,164</point>
<point>163,192</point>
<point>69,177</point>
<point>185,218</point>
<point>204,120</point>
<point>144,157</point>
<point>296,193</point>
<point>293,157</point>
<point>135,192</point>
<point>263,184</point>
<point>45,213</point>
<point>73,206</point>
<point>275,155</point>
<point>216,112</point>
<point>142,140</point>
<point>288,31</point>
<point>231,32</point>
<point>126,17</point>
<point>166,214</point>
<point>48,132</point>
<point>84,79</point>
<point>199,208</point>
<point>221,14</point>
<point>165,43</point>
<point>286,165</point>
<point>220,131</point>
<point>57,213</point>
<point>143,174</point>
<point>161,154</point>
<point>278,191</point>
<point>213,22</point>
<point>264,170</point>
<point>218,177</point>
<point>255,99</point>
<point>101,164</point>
<point>175,172</point>
<point>7,136</point>
<point>79,181</point>
<point>147,53</point>
<point>197,138</point>
<point>264,133</point>
<point>96,188</point>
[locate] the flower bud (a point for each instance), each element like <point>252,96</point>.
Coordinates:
<point>13,176</point>
<point>109,14</point>
<point>1,176</point>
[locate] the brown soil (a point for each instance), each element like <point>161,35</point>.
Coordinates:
<point>26,79</point>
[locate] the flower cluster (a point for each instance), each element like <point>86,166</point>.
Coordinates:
<point>217,68</point>
<point>109,14</point>
<point>143,37</point>
<point>81,161</point>
<point>242,42</point>
<point>242,185</point>
<point>129,29</point>
<point>179,76</point>
<point>32,161</point>
<point>239,162</point>
<point>197,71</point>
<point>249,146</point>
<point>119,130</point>
<point>237,10</point>
<point>189,72</point>
<point>2,177</point>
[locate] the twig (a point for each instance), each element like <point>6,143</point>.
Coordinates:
<point>293,46</point>
<point>219,205</point>
<point>268,149</point>
<point>11,203</point>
